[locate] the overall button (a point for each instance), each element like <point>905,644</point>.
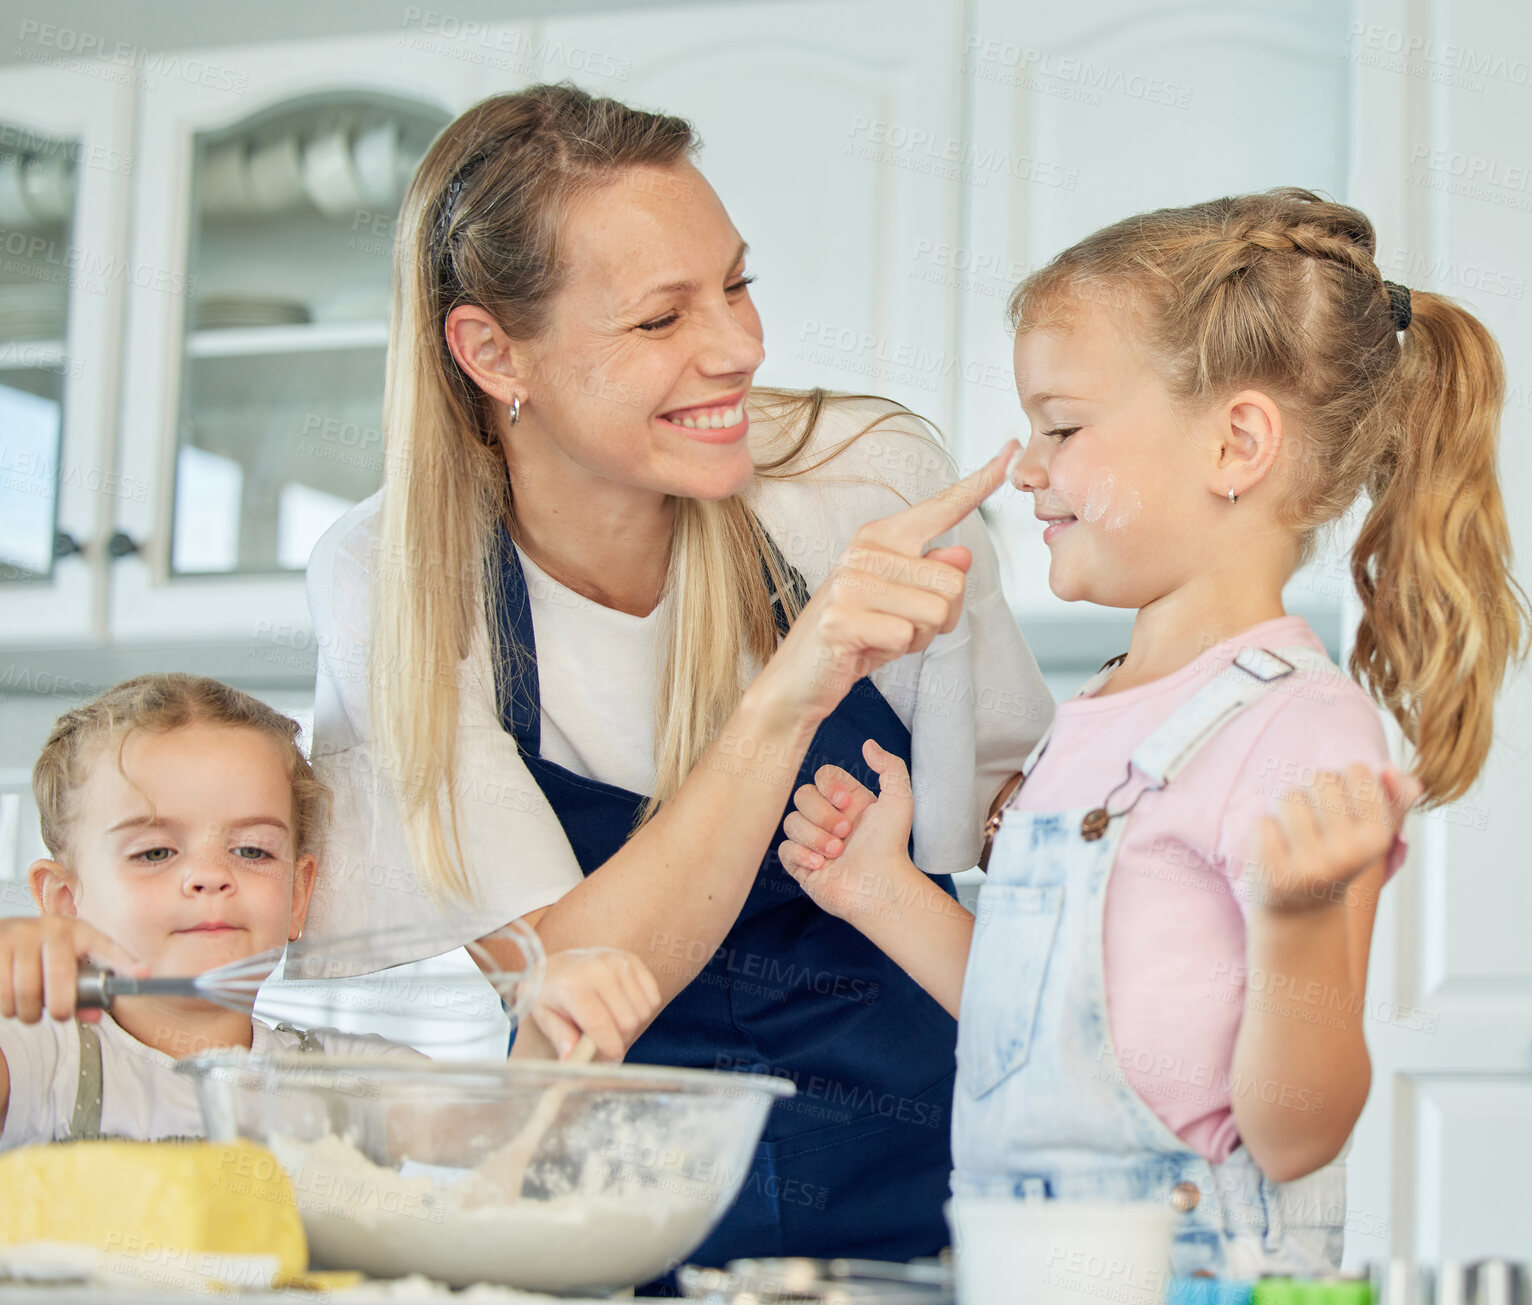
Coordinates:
<point>1184,1197</point>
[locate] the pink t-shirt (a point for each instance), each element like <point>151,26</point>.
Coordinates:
<point>1174,931</point>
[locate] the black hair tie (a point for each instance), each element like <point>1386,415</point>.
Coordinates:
<point>1399,302</point>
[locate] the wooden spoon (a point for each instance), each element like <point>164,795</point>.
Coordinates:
<point>507,1166</point>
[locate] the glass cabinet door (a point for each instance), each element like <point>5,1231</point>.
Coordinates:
<point>64,175</point>
<point>31,417</point>
<point>253,380</point>
<point>37,188</point>
<point>288,278</point>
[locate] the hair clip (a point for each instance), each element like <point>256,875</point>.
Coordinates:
<point>1399,302</point>
<point>449,199</point>
<point>444,213</point>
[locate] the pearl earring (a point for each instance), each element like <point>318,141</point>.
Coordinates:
<point>515,409</point>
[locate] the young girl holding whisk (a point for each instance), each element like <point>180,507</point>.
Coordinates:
<point>1208,386</point>
<point>184,828</point>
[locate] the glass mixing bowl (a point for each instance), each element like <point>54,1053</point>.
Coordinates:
<point>530,1174</point>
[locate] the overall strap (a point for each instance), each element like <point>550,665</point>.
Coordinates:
<point>515,649</point>
<point>85,1122</point>
<point>1009,789</point>
<point>307,1042</point>
<point>794,578</point>
<point>1251,675</point>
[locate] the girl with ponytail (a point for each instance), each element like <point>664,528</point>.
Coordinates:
<point>1162,997</point>
<point>592,633</point>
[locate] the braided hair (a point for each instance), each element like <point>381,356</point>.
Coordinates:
<point>1391,393</point>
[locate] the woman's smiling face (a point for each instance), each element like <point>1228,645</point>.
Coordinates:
<point>1116,467</point>
<point>642,373</point>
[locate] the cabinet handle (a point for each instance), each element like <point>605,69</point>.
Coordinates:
<point>121,544</point>
<point>65,545</point>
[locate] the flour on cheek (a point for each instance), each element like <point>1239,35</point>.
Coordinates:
<point>1107,502</point>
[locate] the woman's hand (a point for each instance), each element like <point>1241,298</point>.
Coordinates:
<point>606,993</point>
<point>40,965</point>
<point>853,873</point>
<point>1323,836</point>
<point>886,597</point>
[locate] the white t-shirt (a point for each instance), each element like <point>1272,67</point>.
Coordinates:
<point>973,701</point>
<point>142,1096</point>
<point>601,672</point>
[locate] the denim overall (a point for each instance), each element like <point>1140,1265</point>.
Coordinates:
<point>858,1162</point>
<point>1043,1108</point>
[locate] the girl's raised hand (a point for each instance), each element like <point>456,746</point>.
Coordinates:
<point>855,873</point>
<point>1323,836</point>
<point>886,597</point>
<point>40,965</point>
<point>828,810</point>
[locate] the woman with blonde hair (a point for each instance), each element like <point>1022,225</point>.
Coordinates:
<point>581,649</point>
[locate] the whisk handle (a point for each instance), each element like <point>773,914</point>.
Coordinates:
<point>99,988</point>
<point>95,989</point>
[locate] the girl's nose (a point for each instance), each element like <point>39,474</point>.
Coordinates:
<point>208,876</point>
<point>1028,471</point>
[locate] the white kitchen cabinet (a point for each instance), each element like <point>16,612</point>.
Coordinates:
<point>1442,1151</point>
<point>66,163</point>
<point>253,400</point>
<point>1098,112</point>
<point>824,133</point>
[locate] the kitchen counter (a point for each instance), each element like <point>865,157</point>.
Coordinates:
<point>377,1292</point>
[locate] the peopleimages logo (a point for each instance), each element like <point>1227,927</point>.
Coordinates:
<point>1066,76</point>
<point>134,64</point>
<point>1450,62</point>
<point>916,149</point>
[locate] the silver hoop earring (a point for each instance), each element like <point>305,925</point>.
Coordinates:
<point>1232,496</point>
<point>515,409</point>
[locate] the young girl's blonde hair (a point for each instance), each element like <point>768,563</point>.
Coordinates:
<point>480,225</point>
<point>159,703</point>
<point>1280,291</point>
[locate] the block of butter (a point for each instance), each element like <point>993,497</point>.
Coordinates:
<point>214,1210</point>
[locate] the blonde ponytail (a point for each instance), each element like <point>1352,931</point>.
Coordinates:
<point>1442,616</point>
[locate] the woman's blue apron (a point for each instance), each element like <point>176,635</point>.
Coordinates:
<point>858,1162</point>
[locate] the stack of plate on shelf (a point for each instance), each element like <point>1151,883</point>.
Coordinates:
<point>32,312</point>
<point>227,312</point>
<point>340,168</point>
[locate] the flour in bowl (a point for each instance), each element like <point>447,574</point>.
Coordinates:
<point>461,1226</point>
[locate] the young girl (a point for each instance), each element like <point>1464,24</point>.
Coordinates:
<point>1207,387</point>
<point>184,828</point>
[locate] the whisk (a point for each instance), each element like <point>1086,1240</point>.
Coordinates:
<point>311,966</point>
<point>233,985</point>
